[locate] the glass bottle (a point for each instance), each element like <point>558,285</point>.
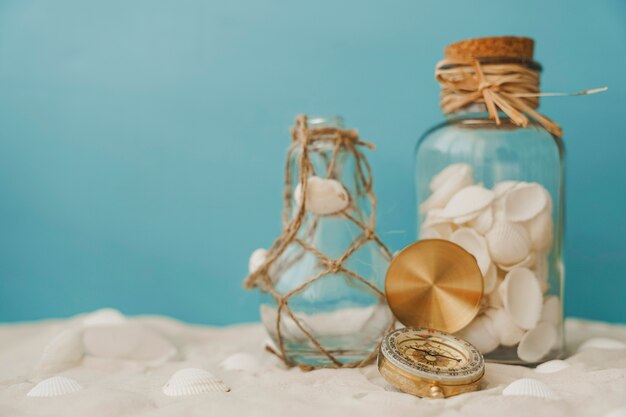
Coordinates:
<point>497,191</point>
<point>345,316</point>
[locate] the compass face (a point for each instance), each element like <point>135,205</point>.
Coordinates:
<point>433,355</point>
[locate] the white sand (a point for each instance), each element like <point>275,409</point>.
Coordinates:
<point>123,376</point>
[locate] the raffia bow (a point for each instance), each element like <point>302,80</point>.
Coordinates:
<point>507,87</point>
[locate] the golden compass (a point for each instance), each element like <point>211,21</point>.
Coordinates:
<point>429,363</point>
<point>436,287</point>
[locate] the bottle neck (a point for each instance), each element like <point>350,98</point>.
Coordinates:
<point>318,122</point>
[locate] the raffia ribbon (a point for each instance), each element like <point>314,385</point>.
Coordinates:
<point>508,87</point>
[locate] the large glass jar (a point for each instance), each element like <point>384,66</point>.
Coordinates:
<point>343,314</point>
<point>497,191</point>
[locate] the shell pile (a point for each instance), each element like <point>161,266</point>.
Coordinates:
<point>509,230</point>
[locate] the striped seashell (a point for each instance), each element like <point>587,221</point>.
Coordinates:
<point>192,381</point>
<point>529,387</point>
<point>55,387</point>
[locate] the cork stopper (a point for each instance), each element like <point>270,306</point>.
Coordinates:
<point>491,47</point>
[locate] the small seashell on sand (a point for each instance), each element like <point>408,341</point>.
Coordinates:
<point>323,196</point>
<point>537,343</point>
<point>449,173</point>
<point>241,361</point>
<point>468,200</point>
<point>524,202</point>
<point>55,387</point>
<point>64,351</point>
<point>475,244</point>
<point>552,366</point>
<point>480,334</point>
<point>540,231</point>
<point>508,333</point>
<point>601,343</point>
<point>551,311</point>
<point>440,197</point>
<point>529,387</point>
<point>192,381</point>
<point>257,259</point>
<point>522,297</point>
<point>483,222</point>
<point>508,243</point>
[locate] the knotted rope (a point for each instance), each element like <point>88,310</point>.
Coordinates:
<point>510,87</point>
<point>304,141</point>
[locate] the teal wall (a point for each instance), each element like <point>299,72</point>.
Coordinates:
<point>142,142</point>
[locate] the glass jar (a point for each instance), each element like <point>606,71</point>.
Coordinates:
<point>497,191</point>
<point>344,315</point>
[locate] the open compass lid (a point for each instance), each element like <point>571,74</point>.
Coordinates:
<point>434,284</point>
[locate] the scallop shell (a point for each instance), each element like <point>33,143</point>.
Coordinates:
<point>257,259</point>
<point>552,312</point>
<point>524,202</point>
<point>241,361</point>
<point>323,196</point>
<point>508,333</point>
<point>466,218</point>
<point>433,217</point>
<point>450,173</point>
<point>480,334</point>
<point>483,222</point>
<point>602,343</point>
<point>540,231</point>
<point>191,381</point>
<point>527,262</point>
<point>503,187</point>
<point>552,366</point>
<point>508,243</point>
<point>468,200</point>
<point>104,316</point>
<point>493,298</point>
<point>537,342</point>
<point>475,244</point>
<point>54,387</point>
<point>522,297</point>
<point>440,197</point>
<point>529,387</point>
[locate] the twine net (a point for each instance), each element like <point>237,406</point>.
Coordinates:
<point>294,233</point>
<point>510,87</point>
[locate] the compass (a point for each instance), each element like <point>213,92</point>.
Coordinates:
<point>430,363</point>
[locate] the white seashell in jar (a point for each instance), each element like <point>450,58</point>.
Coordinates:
<point>540,231</point>
<point>241,361</point>
<point>475,244</point>
<point>434,217</point>
<point>483,222</point>
<point>493,298</point>
<point>528,387</point>
<point>537,343</point>
<point>55,387</point>
<point>503,187</point>
<point>602,343</point>
<point>467,201</point>
<point>436,231</point>
<point>451,172</point>
<point>527,262</point>
<point>552,311</point>
<point>466,218</point>
<point>191,381</point>
<point>490,279</point>
<point>323,196</point>
<point>442,194</point>
<point>552,366</point>
<point>508,243</point>
<point>522,297</point>
<point>508,333</point>
<point>480,334</point>
<point>524,202</point>
<point>257,259</point>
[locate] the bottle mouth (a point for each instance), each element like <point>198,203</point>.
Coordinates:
<point>317,122</point>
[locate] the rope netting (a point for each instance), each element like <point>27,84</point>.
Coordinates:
<point>295,231</point>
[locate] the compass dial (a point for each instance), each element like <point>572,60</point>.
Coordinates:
<point>433,355</point>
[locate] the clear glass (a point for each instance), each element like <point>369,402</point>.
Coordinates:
<point>511,220</point>
<point>347,317</point>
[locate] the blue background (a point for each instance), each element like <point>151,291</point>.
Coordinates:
<point>142,142</point>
